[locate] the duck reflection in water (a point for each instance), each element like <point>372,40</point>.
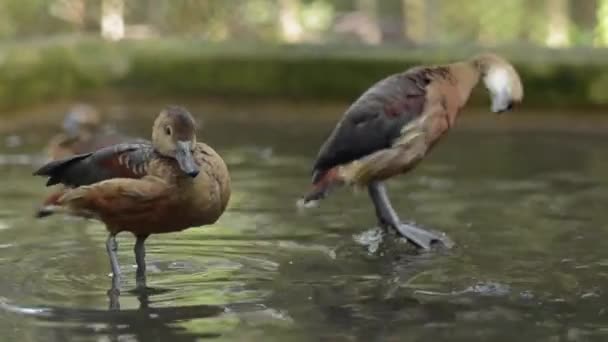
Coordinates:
<point>145,323</point>
<point>149,321</point>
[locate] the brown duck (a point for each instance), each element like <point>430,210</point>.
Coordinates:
<point>396,123</point>
<point>170,185</point>
<point>82,133</point>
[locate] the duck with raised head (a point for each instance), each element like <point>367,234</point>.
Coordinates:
<point>81,133</point>
<point>396,123</point>
<point>169,185</point>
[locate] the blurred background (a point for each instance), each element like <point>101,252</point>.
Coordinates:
<point>552,23</point>
<point>60,48</point>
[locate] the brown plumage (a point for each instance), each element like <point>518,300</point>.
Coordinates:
<point>82,133</point>
<point>170,185</point>
<point>395,123</point>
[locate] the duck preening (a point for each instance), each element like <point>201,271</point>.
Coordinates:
<point>168,185</point>
<point>397,121</point>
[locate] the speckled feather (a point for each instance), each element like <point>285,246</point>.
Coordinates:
<point>62,146</point>
<point>122,160</point>
<point>142,188</point>
<point>165,200</point>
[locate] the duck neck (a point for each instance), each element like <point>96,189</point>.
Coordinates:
<point>467,75</point>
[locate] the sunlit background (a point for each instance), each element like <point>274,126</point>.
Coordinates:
<point>62,48</point>
<point>523,195</point>
<point>550,23</point>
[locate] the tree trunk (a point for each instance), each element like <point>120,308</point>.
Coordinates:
<point>291,28</point>
<point>414,20</point>
<point>559,21</point>
<point>92,11</point>
<point>157,11</point>
<point>584,14</point>
<point>601,31</point>
<point>584,18</point>
<point>372,34</point>
<point>112,19</point>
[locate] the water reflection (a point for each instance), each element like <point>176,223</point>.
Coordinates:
<point>528,220</point>
<point>145,323</point>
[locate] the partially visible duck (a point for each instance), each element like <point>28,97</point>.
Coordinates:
<point>169,185</point>
<point>397,122</point>
<point>82,133</point>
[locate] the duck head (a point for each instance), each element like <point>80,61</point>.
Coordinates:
<point>501,80</point>
<point>174,136</point>
<point>82,119</point>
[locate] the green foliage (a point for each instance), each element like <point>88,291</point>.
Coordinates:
<point>31,73</point>
<point>29,18</point>
<point>451,22</point>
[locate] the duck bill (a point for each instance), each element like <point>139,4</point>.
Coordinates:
<point>501,103</point>
<point>184,158</point>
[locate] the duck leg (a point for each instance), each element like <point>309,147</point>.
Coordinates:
<point>112,248</point>
<point>140,259</point>
<point>387,216</point>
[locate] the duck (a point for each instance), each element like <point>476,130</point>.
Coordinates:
<point>81,133</point>
<point>394,125</point>
<point>167,185</point>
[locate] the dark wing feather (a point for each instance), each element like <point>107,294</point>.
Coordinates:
<point>374,121</point>
<point>103,140</point>
<point>122,160</point>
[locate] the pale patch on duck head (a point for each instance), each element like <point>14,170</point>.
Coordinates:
<point>502,81</point>
<point>174,136</point>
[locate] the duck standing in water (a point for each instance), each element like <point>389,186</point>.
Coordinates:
<point>170,185</point>
<point>396,122</point>
<point>82,133</point>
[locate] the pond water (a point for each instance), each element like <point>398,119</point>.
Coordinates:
<point>523,197</point>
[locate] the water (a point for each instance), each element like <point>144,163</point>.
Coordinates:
<point>522,196</point>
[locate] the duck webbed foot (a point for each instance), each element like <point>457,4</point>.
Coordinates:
<point>421,238</point>
<point>387,216</point>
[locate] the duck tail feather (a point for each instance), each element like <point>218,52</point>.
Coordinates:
<point>323,183</point>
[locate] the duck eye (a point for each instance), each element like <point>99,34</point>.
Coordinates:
<point>168,130</point>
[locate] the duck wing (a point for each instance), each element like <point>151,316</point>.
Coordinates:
<point>104,140</point>
<point>375,120</point>
<point>118,161</point>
